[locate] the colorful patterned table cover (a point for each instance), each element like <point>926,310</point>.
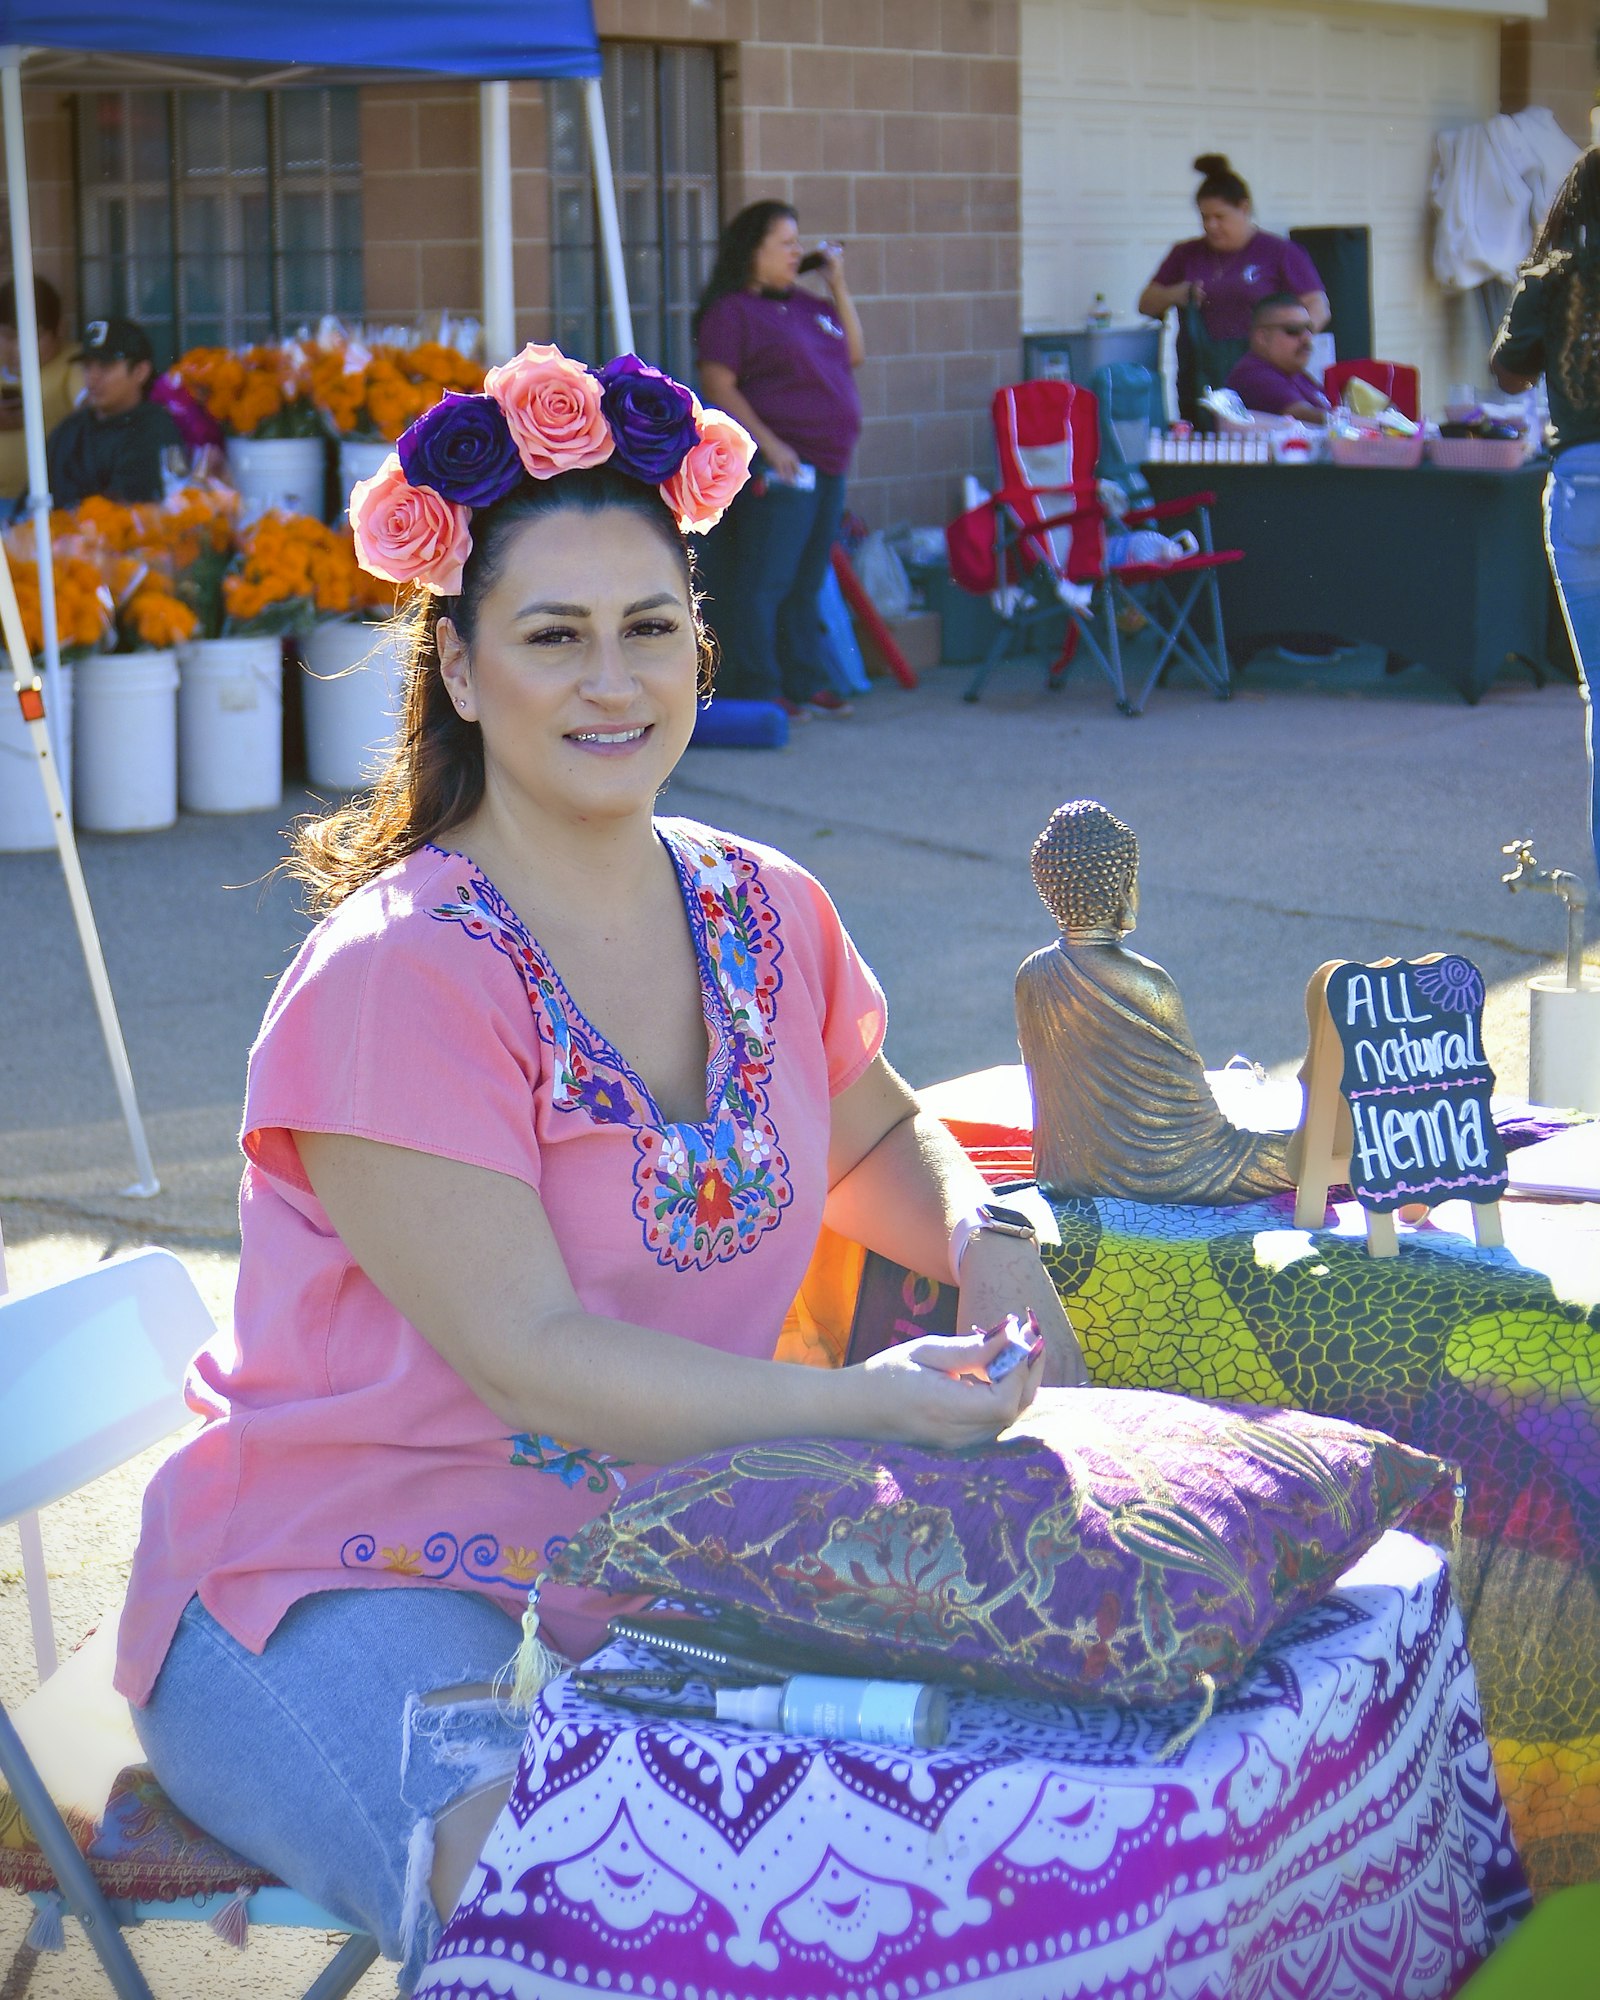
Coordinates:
<point>1491,1358</point>
<point>1335,1829</point>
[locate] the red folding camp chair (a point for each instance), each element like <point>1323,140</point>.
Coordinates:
<point>1038,559</point>
<point>1401,384</point>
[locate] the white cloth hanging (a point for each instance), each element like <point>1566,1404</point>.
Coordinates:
<point>1492,186</point>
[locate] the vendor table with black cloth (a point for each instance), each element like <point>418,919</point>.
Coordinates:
<point>1439,566</point>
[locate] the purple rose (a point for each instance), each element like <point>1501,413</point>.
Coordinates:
<point>463,449</point>
<point>651,418</point>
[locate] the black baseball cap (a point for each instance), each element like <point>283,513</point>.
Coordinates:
<point>115,340</point>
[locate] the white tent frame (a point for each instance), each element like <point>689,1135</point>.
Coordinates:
<point>40,701</point>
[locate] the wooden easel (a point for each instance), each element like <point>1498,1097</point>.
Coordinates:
<point>1319,1152</point>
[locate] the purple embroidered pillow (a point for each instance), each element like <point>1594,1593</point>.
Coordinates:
<point>1115,1545</point>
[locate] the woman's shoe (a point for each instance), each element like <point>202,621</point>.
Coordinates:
<point>797,711</point>
<point>828,701</point>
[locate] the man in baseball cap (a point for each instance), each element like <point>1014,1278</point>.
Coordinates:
<point>113,442</point>
<point>116,340</point>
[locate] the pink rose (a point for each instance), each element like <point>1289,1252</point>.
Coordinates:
<point>552,407</point>
<point>409,534</point>
<point>715,469</point>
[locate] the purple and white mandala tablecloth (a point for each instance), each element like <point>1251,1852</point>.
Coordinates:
<point>1334,1832</point>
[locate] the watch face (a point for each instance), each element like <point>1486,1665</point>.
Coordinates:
<point>1005,1218</point>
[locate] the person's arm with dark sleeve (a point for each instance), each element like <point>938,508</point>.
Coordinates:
<point>60,458</point>
<point>136,468</point>
<point>1517,359</point>
<point>1169,287</point>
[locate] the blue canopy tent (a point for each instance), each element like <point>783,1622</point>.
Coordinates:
<point>494,38</point>
<point>247,44</point>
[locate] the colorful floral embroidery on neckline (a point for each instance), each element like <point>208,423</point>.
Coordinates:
<point>704,1192</point>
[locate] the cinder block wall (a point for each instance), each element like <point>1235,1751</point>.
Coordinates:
<point>892,124</point>
<point>1554,62</point>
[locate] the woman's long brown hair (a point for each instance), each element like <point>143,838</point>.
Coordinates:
<point>433,779</point>
<point>1567,256</point>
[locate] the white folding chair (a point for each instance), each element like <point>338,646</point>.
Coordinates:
<point>91,1373</point>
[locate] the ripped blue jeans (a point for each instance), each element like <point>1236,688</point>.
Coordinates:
<point>1572,536</point>
<point>321,1758</point>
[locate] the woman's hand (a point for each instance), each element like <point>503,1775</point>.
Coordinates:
<point>1002,1274</point>
<point>783,461</point>
<point>1197,293</point>
<point>937,1392</point>
<point>832,269</point>
<point>1156,301</point>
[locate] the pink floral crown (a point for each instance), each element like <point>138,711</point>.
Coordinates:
<point>541,414</point>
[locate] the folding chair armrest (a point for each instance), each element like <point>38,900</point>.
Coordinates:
<point>1062,520</point>
<point>1088,509</point>
<point>1161,510</point>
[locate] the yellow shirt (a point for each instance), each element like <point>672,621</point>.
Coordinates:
<point>63,383</point>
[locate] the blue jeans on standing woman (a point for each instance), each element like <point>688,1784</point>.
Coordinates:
<point>771,624</point>
<point>1572,535</point>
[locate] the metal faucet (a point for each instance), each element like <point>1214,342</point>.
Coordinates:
<point>1560,882</point>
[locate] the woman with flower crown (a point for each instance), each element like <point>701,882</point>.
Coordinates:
<point>540,1128</point>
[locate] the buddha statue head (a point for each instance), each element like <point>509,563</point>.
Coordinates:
<point>1086,869</point>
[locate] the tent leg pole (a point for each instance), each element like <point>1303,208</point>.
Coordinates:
<point>16,156</point>
<point>605,192</point>
<point>499,283</point>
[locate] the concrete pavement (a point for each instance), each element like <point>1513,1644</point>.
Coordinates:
<point>1288,826</point>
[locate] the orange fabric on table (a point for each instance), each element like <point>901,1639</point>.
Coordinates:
<point>990,1113</point>
<point>816,1328</point>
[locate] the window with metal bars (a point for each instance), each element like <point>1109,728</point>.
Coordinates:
<point>661,118</point>
<point>218,217</point>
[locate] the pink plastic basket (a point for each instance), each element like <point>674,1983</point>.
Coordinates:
<point>1403,451</point>
<point>1477,454</point>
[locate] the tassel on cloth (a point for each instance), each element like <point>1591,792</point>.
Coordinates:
<point>1458,1515</point>
<point>1186,1735</point>
<point>536,1665</point>
<point>232,1922</point>
<point>47,1932</point>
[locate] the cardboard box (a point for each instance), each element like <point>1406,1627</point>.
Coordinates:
<point>918,637</point>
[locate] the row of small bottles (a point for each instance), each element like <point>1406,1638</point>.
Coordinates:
<point>1209,448</point>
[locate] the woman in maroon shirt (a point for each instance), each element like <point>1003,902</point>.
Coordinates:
<point>1218,278</point>
<point>782,359</point>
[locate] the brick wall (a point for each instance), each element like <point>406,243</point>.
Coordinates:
<point>1554,62</point>
<point>893,125</point>
<point>889,123</point>
<point>48,128</point>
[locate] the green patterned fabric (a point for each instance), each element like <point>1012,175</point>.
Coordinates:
<point>1484,1359</point>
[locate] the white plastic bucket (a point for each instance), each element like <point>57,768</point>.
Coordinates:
<point>230,725</point>
<point>350,689</point>
<point>287,473</point>
<point>125,723</point>
<point>24,817</point>
<point>359,458</point>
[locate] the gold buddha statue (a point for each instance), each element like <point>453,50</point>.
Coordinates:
<point>1121,1105</point>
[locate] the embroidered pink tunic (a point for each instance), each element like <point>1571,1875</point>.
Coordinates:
<point>338,1448</point>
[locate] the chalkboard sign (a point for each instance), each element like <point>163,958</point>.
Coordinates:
<point>1416,1082</point>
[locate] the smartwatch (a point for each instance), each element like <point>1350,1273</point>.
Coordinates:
<point>989,1218</point>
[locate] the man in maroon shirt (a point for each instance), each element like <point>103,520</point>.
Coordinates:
<point>1272,377</point>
